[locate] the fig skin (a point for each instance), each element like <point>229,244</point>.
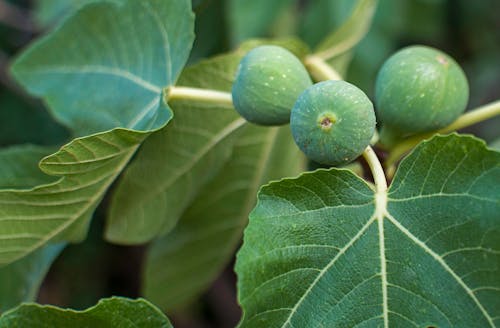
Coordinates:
<point>268,81</point>
<point>332,122</point>
<point>419,89</point>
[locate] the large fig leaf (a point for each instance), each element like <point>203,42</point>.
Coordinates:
<point>115,312</point>
<point>103,69</point>
<point>175,163</point>
<point>325,250</point>
<point>106,66</point>
<point>187,260</point>
<point>19,281</point>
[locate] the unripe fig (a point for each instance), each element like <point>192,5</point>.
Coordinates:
<point>419,89</point>
<point>332,122</point>
<point>268,81</point>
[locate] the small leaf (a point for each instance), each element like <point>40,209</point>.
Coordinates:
<point>350,33</point>
<point>322,249</point>
<point>109,77</point>
<point>320,17</point>
<point>175,163</point>
<point>187,260</point>
<point>244,26</point>
<point>114,312</point>
<point>19,281</point>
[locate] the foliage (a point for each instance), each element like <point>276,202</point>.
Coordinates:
<point>130,122</point>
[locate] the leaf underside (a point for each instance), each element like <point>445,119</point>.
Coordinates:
<point>175,163</point>
<point>109,78</point>
<point>210,195</point>
<point>316,252</point>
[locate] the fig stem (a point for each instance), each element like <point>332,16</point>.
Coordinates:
<point>472,117</point>
<point>320,70</point>
<point>375,138</point>
<point>200,95</point>
<point>380,213</point>
<point>376,170</point>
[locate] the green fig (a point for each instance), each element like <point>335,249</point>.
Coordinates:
<point>268,81</point>
<point>332,122</point>
<point>419,89</point>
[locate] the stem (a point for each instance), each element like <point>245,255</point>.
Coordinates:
<point>201,95</point>
<point>320,70</point>
<point>474,116</point>
<point>375,138</point>
<point>376,169</point>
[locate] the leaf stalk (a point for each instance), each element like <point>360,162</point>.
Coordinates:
<point>173,93</point>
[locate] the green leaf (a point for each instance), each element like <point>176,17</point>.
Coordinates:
<point>187,260</point>
<point>251,19</point>
<point>320,17</point>
<point>89,82</point>
<point>175,163</point>
<point>114,70</point>
<point>49,12</point>
<point>351,32</point>
<point>322,249</point>
<point>115,312</point>
<point>19,281</point>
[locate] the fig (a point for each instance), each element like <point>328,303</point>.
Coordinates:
<point>419,89</point>
<point>268,81</point>
<point>332,122</point>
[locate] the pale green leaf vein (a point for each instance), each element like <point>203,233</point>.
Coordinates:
<point>441,261</point>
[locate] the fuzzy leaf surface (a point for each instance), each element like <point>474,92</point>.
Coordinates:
<point>115,312</point>
<point>322,250</point>
<point>106,85</point>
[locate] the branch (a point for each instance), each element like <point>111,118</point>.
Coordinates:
<point>474,116</point>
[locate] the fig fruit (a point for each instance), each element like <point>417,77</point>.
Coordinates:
<point>268,81</point>
<point>332,122</point>
<point>419,89</point>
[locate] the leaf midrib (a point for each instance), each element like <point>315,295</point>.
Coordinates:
<point>380,214</point>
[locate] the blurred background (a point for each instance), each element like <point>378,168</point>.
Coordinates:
<point>467,30</point>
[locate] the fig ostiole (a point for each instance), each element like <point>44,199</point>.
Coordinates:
<point>268,81</point>
<point>418,89</point>
<point>332,122</point>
